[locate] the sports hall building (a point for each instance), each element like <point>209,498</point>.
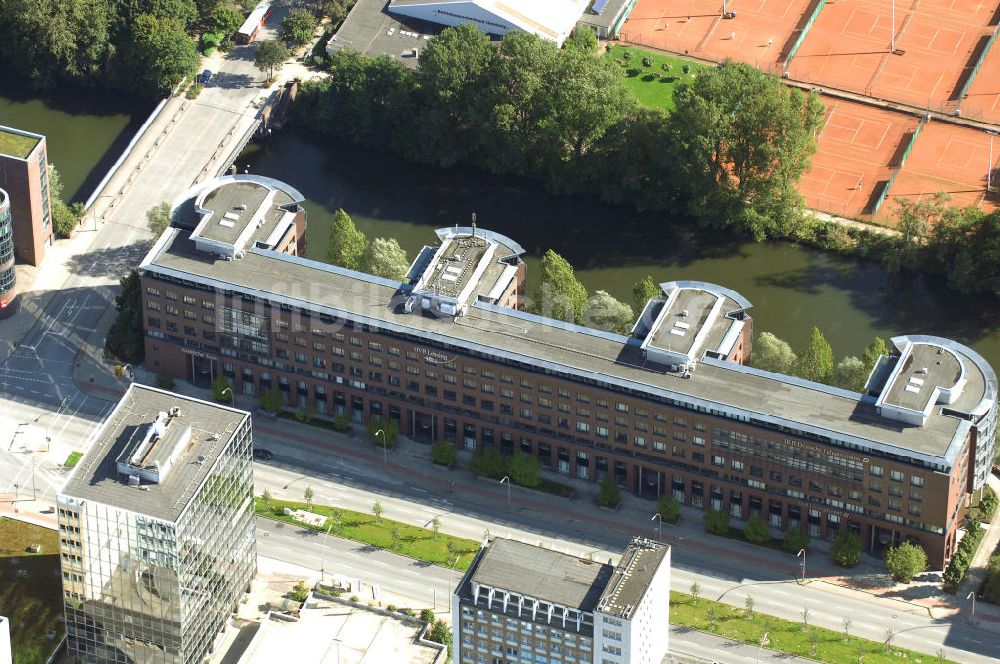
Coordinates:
<point>670,409</point>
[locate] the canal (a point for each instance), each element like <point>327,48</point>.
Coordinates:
<point>792,288</point>
<point>86,130</point>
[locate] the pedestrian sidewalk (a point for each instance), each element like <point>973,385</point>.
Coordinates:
<point>976,573</point>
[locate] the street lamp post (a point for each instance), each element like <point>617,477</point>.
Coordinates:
<point>127,369</point>
<point>506,479</point>
<point>385,448</point>
<point>802,554</point>
<point>659,525</point>
<point>322,555</point>
<point>93,208</point>
<point>232,397</point>
<point>760,647</point>
<point>972,596</point>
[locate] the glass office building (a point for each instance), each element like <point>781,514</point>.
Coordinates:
<point>157,530</point>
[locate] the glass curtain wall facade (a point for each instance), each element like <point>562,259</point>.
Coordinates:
<point>148,591</point>
<point>6,248</point>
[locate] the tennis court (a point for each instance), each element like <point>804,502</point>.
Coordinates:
<point>849,47</point>
<point>948,158</point>
<point>982,101</point>
<point>757,35</point>
<point>855,147</point>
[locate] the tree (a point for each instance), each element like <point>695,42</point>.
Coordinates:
<point>873,351</point>
<point>610,495</point>
<point>795,540</point>
<point>271,55</point>
<point>347,245</point>
<point>441,633</point>
<point>227,19</point>
<point>271,400</point>
<point>159,54</point>
<point>913,219</point>
<point>847,622</point>
<point>584,39</point>
<point>742,139</point>
<point>524,469</point>
<point>806,613</point>
<point>748,605</point>
<point>55,184</point>
<point>64,220</point>
<point>337,516</point>
<point>717,522</point>
<point>158,218</point>
<point>643,291</point>
<point>816,362</point>
<point>850,374</point>
<point>266,497</point>
<point>846,548</point>
<point>489,462</point>
<point>695,591</point>
<point>385,258</point>
<point>773,354</point>
<point>222,390</point>
<point>377,512</point>
<point>298,27</point>
<point>905,561</point>
<point>757,530</point>
<point>669,509</point>
<point>606,313</point>
<point>560,294</point>
<point>397,538</point>
<point>308,495</point>
<point>436,527</point>
<point>443,453</point>
<point>992,589</point>
<point>125,340</point>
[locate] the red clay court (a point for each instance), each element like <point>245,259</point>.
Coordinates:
<point>948,158</point>
<point>756,36</point>
<point>848,47</point>
<point>856,145</point>
<point>982,101</point>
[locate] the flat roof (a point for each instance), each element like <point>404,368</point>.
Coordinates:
<point>636,568</point>
<point>555,346</point>
<point>370,30</point>
<point>235,210</point>
<point>455,266</point>
<point>551,576</point>
<point>18,143</point>
<point>96,476</point>
<point>609,15</point>
<point>683,318</point>
<point>924,368</point>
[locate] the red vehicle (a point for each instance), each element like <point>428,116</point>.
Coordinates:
<point>251,27</point>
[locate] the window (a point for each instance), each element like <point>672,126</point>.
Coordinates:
<point>916,481</point>
<point>737,465</point>
<point>602,432</point>
<point>895,476</point>
<point>582,427</point>
<point>698,440</point>
<point>718,461</point>
<point>875,471</point>
<point>621,407</point>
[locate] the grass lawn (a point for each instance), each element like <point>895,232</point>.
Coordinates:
<point>73,459</point>
<point>653,86</point>
<point>16,145</point>
<point>414,541</point>
<point>785,635</point>
<point>30,589</point>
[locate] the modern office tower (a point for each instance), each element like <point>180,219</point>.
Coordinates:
<point>24,175</point>
<point>520,603</point>
<point>7,281</point>
<point>156,529</point>
<point>670,409</point>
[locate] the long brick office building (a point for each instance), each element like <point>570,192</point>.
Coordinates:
<point>670,409</point>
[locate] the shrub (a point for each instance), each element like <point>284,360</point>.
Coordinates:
<point>391,608</point>
<point>305,415</point>
<point>440,633</point>
<point>354,598</point>
<point>647,62</point>
<point>341,424</point>
<point>389,435</point>
<point>610,493</point>
<point>988,505</point>
<point>795,541</point>
<point>992,589</point>
<point>427,615</point>
<point>407,612</point>
<point>757,530</point>
<point>905,561</point>
<point>686,69</point>
<point>717,522</point>
<point>443,453</point>
<point>962,558</point>
<point>222,391</point>
<point>489,463</point>
<point>665,66</point>
<point>669,509</point>
<point>299,592</point>
<point>846,548</point>
<point>271,400</point>
<point>524,469</point>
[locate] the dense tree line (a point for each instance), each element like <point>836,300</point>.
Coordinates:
<point>815,362</point>
<point>732,151</point>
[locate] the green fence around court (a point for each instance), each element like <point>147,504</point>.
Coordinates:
<point>979,61</point>
<point>897,168</point>
<point>805,30</point>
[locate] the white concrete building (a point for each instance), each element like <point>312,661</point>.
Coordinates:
<point>550,19</point>
<point>520,603</point>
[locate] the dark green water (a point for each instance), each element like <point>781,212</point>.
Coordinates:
<point>791,288</point>
<point>86,131</point>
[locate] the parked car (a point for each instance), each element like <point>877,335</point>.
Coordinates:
<point>262,454</point>
<point>205,77</point>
